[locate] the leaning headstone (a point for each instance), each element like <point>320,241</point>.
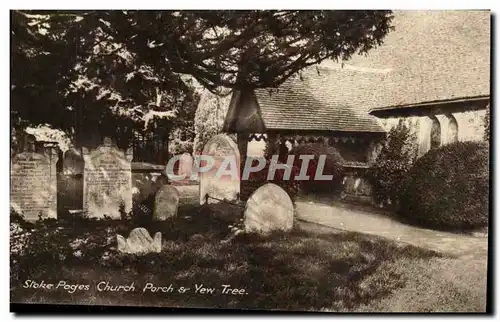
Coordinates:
<point>166,203</point>
<point>107,180</point>
<point>221,182</point>
<point>139,242</point>
<point>34,182</point>
<point>268,209</point>
<point>185,165</point>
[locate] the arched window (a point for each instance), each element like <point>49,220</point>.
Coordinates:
<point>452,129</point>
<point>435,133</point>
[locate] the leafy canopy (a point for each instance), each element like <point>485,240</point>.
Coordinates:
<point>138,65</point>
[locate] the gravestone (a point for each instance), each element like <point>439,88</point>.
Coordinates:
<point>226,187</point>
<point>73,161</point>
<point>166,203</point>
<point>70,181</point>
<point>34,182</point>
<point>185,165</point>
<point>268,209</point>
<point>107,181</point>
<point>139,242</point>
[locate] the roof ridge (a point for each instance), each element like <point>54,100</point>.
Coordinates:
<point>344,66</point>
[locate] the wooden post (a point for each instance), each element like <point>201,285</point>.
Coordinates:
<point>242,141</point>
<point>272,139</point>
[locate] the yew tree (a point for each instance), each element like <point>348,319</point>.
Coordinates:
<point>126,67</point>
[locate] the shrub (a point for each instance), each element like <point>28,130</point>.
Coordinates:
<point>19,234</point>
<point>258,179</point>
<point>448,188</point>
<point>181,139</point>
<point>333,166</point>
<point>35,245</point>
<point>392,164</point>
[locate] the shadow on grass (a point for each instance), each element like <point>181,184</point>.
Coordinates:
<point>284,271</point>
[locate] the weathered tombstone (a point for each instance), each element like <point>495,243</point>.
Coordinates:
<point>107,181</point>
<point>73,161</point>
<point>139,242</point>
<point>70,181</point>
<point>268,209</point>
<point>34,182</point>
<point>225,156</point>
<point>185,165</point>
<point>166,203</point>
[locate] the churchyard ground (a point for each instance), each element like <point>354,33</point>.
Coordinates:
<point>314,267</point>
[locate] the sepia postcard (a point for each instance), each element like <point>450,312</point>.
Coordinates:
<point>270,160</point>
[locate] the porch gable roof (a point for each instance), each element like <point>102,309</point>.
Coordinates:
<point>317,102</point>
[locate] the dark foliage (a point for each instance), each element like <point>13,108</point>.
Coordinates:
<point>229,48</point>
<point>260,178</point>
<point>333,165</point>
<point>183,129</point>
<point>448,188</point>
<point>36,246</point>
<point>85,83</point>
<point>388,172</point>
<point>49,244</point>
<point>287,271</point>
<point>104,70</point>
<point>292,185</point>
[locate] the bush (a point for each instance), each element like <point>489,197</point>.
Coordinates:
<point>258,179</point>
<point>448,188</point>
<point>47,245</point>
<point>389,170</point>
<point>35,245</point>
<point>333,166</point>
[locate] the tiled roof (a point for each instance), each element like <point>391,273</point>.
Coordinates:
<point>317,102</point>
<point>434,56</point>
<point>430,56</point>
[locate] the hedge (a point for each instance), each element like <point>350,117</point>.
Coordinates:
<point>448,188</point>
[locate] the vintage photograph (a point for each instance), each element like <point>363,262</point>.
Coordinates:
<point>277,160</point>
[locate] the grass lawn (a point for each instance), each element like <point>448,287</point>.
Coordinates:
<point>437,285</point>
<point>311,268</point>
